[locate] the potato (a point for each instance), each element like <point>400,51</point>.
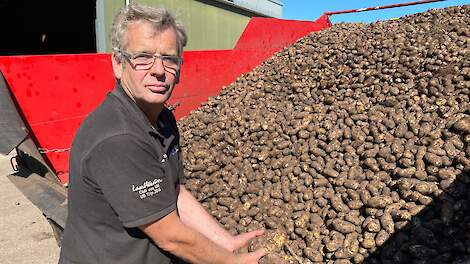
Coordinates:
<point>379,201</point>
<point>342,226</point>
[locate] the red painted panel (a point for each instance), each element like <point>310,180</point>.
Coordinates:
<point>273,33</point>
<point>204,73</point>
<point>56,92</point>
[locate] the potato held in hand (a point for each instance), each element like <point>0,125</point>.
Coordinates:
<point>273,242</point>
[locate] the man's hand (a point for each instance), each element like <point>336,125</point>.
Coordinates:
<point>193,215</point>
<point>239,243</point>
<point>251,258</point>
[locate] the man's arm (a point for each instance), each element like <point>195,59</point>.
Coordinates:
<point>193,215</point>
<point>171,235</point>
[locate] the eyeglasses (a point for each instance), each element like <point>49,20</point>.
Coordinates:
<point>145,61</point>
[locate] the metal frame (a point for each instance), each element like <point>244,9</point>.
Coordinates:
<point>381,7</point>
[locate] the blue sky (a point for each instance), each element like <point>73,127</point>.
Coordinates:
<point>312,9</point>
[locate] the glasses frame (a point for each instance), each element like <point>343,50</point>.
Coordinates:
<point>129,57</point>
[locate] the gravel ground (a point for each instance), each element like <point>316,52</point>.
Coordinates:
<point>25,235</point>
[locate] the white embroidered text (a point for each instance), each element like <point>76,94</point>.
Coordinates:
<point>148,188</point>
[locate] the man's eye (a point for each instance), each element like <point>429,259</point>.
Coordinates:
<point>171,60</point>
<point>143,57</point>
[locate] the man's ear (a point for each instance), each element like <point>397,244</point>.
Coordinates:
<point>117,65</point>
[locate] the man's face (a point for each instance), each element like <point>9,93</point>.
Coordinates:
<point>155,85</point>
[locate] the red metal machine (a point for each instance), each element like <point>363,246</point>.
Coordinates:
<point>44,99</point>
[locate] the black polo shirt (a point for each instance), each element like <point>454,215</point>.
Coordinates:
<point>124,172</point>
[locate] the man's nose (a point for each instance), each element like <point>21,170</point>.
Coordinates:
<point>157,68</point>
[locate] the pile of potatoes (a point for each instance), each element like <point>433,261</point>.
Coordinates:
<point>350,146</point>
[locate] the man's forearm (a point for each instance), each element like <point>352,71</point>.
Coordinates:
<point>199,249</point>
<point>173,236</point>
<point>193,215</point>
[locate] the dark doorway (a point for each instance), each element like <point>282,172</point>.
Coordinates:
<point>47,27</point>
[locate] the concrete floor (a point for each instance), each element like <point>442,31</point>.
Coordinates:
<point>25,235</point>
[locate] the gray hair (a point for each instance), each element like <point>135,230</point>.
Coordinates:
<point>160,18</point>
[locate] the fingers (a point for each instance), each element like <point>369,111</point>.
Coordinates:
<point>240,243</point>
<point>242,249</point>
<point>250,235</point>
<point>258,232</point>
<point>259,253</point>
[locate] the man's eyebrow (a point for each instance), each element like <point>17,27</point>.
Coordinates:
<point>143,52</point>
<point>153,53</point>
<point>168,54</point>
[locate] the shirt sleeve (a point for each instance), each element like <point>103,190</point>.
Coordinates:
<point>132,179</point>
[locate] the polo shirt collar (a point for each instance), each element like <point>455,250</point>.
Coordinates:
<point>131,105</point>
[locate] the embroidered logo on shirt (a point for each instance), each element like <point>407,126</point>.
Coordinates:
<point>148,188</point>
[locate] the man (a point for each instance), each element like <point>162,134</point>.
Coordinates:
<point>126,202</point>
